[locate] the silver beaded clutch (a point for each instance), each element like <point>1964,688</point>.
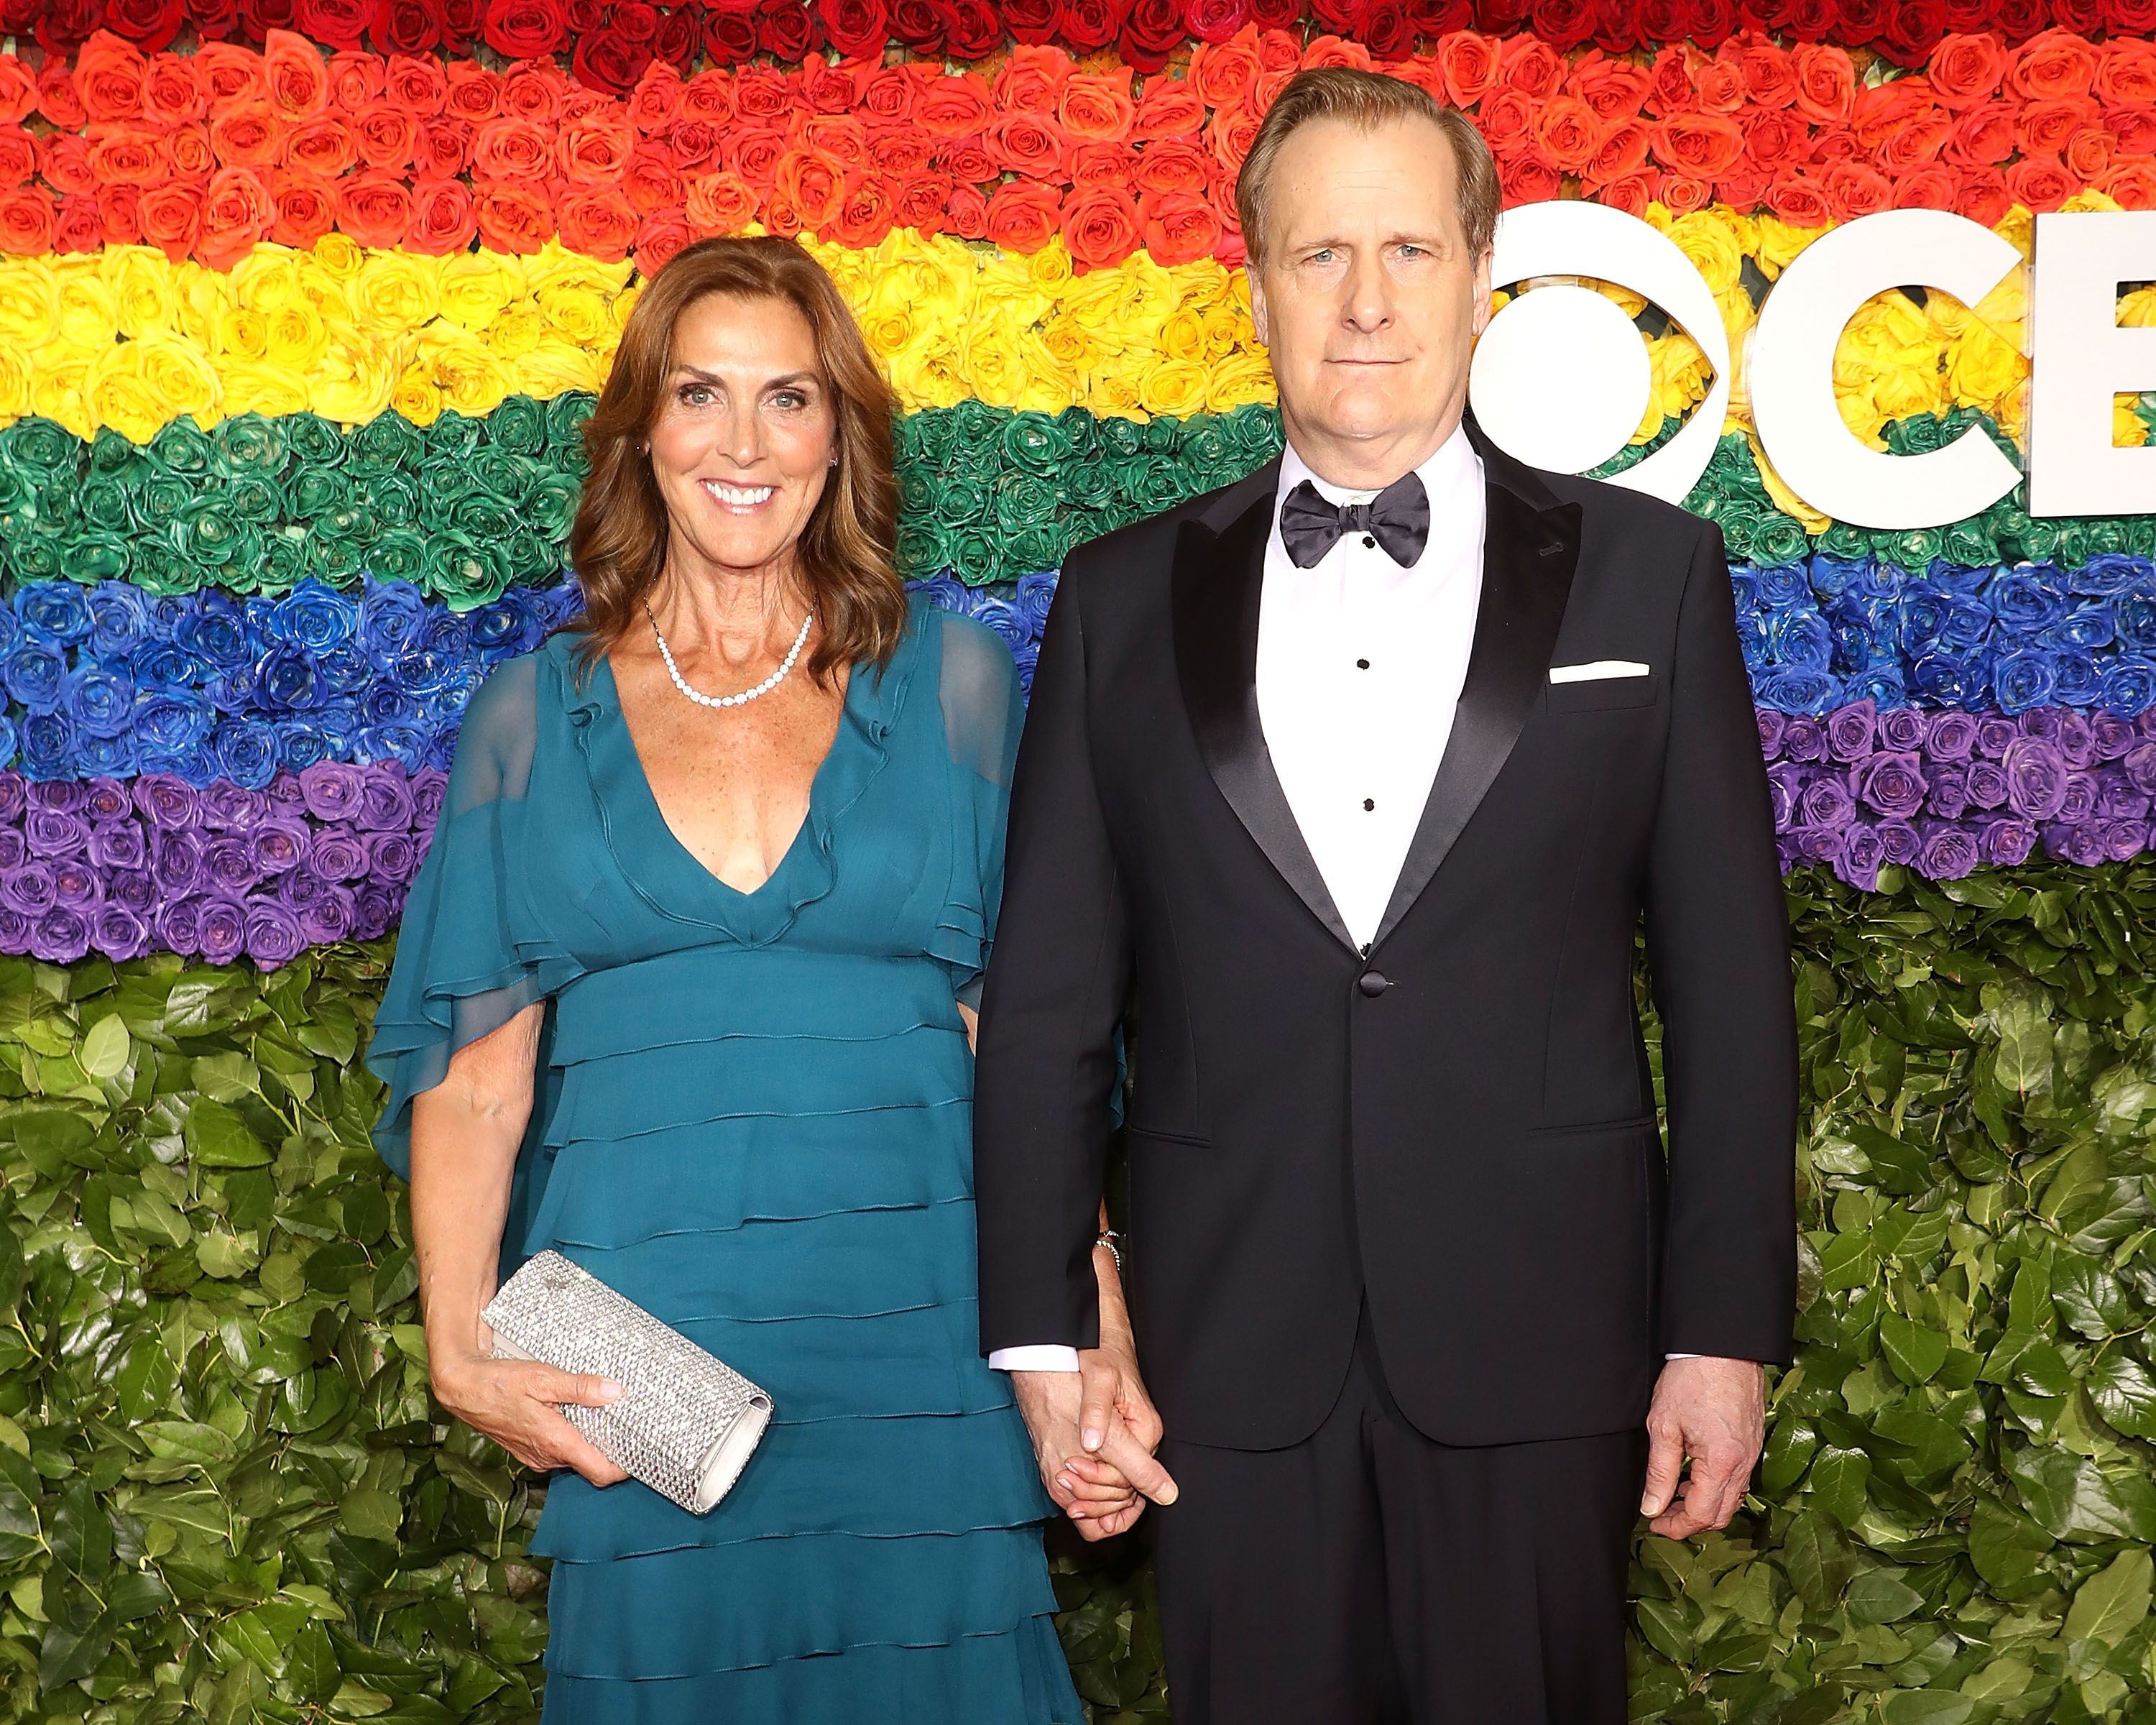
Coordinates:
<point>686,1422</point>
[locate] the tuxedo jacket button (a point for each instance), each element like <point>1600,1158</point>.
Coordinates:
<point>1373,983</point>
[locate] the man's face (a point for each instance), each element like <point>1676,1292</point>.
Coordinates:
<point>1368,298</point>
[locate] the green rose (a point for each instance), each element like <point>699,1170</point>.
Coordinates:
<point>1969,544</point>
<point>1207,444</point>
<point>1089,485</point>
<point>315,441</point>
<point>974,424</point>
<point>928,436</point>
<point>399,554</point>
<point>1081,433</point>
<point>166,497</point>
<point>284,559</point>
<point>920,548</point>
<point>251,497</point>
<point>335,562</point>
<point>1034,442</point>
<point>2101,534</point>
<point>566,414</point>
<point>532,556</point>
<point>2140,535</point>
<point>976,558</point>
<point>36,556</point>
<point>109,503</point>
<point>316,491</point>
<point>1843,540</point>
<point>211,537</point>
<point>1120,439</point>
<point>1030,552</point>
<point>1160,436</point>
<point>483,517</point>
<point>1918,434</point>
<point>463,571</point>
<point>387,442</point>
<point>1025,500</point>
<point>517,427</point>
<point>1160,483</point>
<point>453,437</point>
<point>917,489</point>
<point>2076,544</point>
<point>98,554</point>
<point>1780,539</point>
<point>394,497</point>
<point>2042,540</point>
<point>157,566</point>
<point>251,444</point>
<point>552,507</point>
<point>42,449</point>
<point>962,500</point>
<point>507,477</point>
<point>182,447</point>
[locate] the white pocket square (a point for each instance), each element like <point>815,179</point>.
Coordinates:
<point>1597,671</point>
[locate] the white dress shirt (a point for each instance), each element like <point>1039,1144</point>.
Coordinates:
<point>1360,666</point>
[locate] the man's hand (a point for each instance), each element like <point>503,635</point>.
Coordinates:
<point>1102,1484</point>
<point>1712,1413</point>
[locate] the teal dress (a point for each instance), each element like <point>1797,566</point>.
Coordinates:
<point>754,1119</point>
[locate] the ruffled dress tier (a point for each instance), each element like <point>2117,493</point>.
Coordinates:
<point>754,1119</point>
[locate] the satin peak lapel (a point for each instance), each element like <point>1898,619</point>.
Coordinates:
<point>1219,578</point>
<point>1531,546</point>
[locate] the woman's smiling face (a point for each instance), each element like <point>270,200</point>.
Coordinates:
<point>747,432</point>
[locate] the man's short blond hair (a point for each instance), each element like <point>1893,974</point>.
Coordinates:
<point>1367,100</point>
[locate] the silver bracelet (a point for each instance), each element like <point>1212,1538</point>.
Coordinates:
<point>1109,1238</point>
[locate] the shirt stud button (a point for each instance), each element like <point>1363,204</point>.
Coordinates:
<point>1368,543</point>
<point>1361,664</point>
<point>1369,802</point>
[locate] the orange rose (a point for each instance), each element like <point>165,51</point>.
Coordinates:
<point>1852,189</point>
<point>920,201</point>
<point>64,164</point>
<point>299,86</point>
<point>829,88</point>
<point>2127,74</point>
<point>108,77</point>
<point>951,107</point>
<point>170,217</point>
<point>115,214</point>
<point>58,99</point>
<point>1532,66</point>
<point>306,207</point>
<point>131,158</point>
<point>1280,50</point>
<point>385,135</point>
<point>192,158</point>
<point>1967,69</point>
<point>1826,84</point>
<point>81,229</point>
<point>443,218</point>
<point>2058,62</point>
<point>1221,71</point>
<point>1915,142</point>
<point>1179,229</point>
<point>443,148</point>
<point>658,236</point>
<point>965,159</point>
<point>27,222</point>
<point>1832,147</point>
<point>1982,136</point>
<point>1507,120</point>
<point>322,145</point>
<point>1332,51</point>
<point>513,217</point>
<point>1885,109</point>
<point>2088,153</point>
<point>171,93</point>
<point>2041,182</point>
<point>1029,78</point>
<point>1169,109</point>
<point>708,96</point>
<point>656,99</point>
<point>1097,105</point>
<point>863,217</point>
<point>1173,166</point>
<point>509,148</point>
<point>1259,98</point>
<point>1720,83</point>
<point>648,180</point>
<point>1527,178</point>
<point>1799,200</point>
<point>1704,145</point>
<point>813,184</point>
<point>18,155</point>
<point>230,73</point>
<point>375,209</point>
<point>1470,64</point>
<point>532,90</point>
<point>473,92</point>
<point>720,203</point>
<point>691,143</point>
<point>1022,143</point>
<point>2043,127</point>
<point>597,224</point>
<point>1100,226</point>
<point>1775,139</point>
<point>2134,127</point>
<point>1616,89</point>
<point>18,90</point>
<point>1933,186</point>
<point>2131,183</point>
<point>1103,165</point>
<point>778,216</point>
<point>1567,134</point>
<point>1985,197</point>
<point>418,86</point>
<point>1630,192</point>
<point>594,151</point>
<point>1228,136</point>
<point>1770,81</point>
<point>888,95</point>
<point>237,212</point>
<point>966,213</point>
<point>355,80</point>
<point>1682,194</point>
<point>765,93</point>
<point>899,149</point>
<point>841,136</point>
<point>1621,155</point>
<point>1669,84</point>
<point>1022,216</point>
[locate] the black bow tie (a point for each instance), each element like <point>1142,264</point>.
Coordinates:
<point>1398,518</point>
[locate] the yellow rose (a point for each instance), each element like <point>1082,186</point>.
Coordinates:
<point>1229,329</point>
<point>260,386</point>
<point>204,297</point>
<point>56,392</point>
<point>2019,230</point>
<point>242,333</point>
<point>2128,430</point>
<point>926,374</point>
<point>29,303</point>
<point>1709,241</point>
<point>1173,387</point>
<point>555,266</point>
<point>416,399</point>
<point>88,320</point>
<point>396,291</point>
<point>2137,311</point>
<point>1052,382</point>
<point>1050,267</point>
<point>338,255</point>
<point>516,331</point>
<point>1985,371</point>
<point>1184,336</point>
<point>625,302</point>
<point>1678,372</point>
<point>1115,394</point>
<point>1774,243</point>
<point>296,335</point>
<point>1069,344</point>
<point>554,368</point>
<point>476,286</point>
<point>2088,201</point>
<point>119,395</point>
<point>578,313</point>
<point>357,374</point>
<point>268,277</point>
<point>886,329</point>
<point>469,374</point>
<point>14,382</point>
<point>1238,380</point>
<point>143,301</point>
<point>990,363</point>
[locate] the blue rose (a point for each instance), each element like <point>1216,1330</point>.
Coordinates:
<point>231,691</point>
<point>1924,610</point>
<point>503,627</point>
<point>100,703</point>
<point>106,757</point>
<point>2129,686</point>
<point>1852,644</point>
<point>2026,679</point>
<point>285,681</point>
<point>1966,626</point>
<point>390,615</point>
<point>2078,681</point>
<point>1800,640</point>
<point>33,673</point>
<point>444,710</point>
<point>2134,616</point>
<point>1034,595</point>
<point>558,604</point>
<point>1881,685</point>
<point>11,631</point>
<point>166,665</point>
<point>946,590</point>
<point>245,750</point>
<point>171,723</point>
<point>7,743</point>
<point>407,744</point>
<point>1752,637</point>
<point>422,670</point>
<point>338,720</point>
<point>214,629</point>
<point>2029,598</point>
<point>1802,690</point>
<point>2083,628</point>
<point>120,620</point>
<point>312,617</point>
<point>48,746</point>
<point>1785,585</point>
<point>1957,578</point>
<point>386,703</point>
<point>2109,572</point>
<point>344,670</point>
<point>1944,678</point>
<point>300,744</point>
<point>52,611</point>
<point>1743,586</point>
<point>1829,575</point>
<point>442,751</point>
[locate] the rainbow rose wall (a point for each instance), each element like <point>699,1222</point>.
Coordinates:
<point>301,306</point>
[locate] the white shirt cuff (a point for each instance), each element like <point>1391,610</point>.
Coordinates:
<point>1046,1356</point>
<point>1684,1356</point>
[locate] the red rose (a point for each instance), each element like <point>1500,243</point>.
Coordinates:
<point>1744,188</point>
<point>2041,182</point>
<point>1826,84</point>
<point>1913,29</point>
<point>754,152</point>
<point>1669,85</point>
<point>149,24</point>
<point>443,218</point>
<point>2134,127</point>
<point>952,107</point>
<point>1527,178</point>
<point>375,209</point>
<point>322,145</point>
<point>1614,89</point>
<point>442,148</point>
<point>1501,18</point>
<point>1216,20</point>
<point>1179,229</point>
<point>1770,81</point>
<point>899,149</point>
<point>1933,186</point>
<point>813,184</point>
<point>473,93</point>
<point>1151,31</point>
<point>27,222</point>
<point>2132,184</point>
<point>597,225</point>
<point>1100,226</point>
<point>863,217</point>
<point>675,43</point>
<point>18,90</point>
<point>1853,189</point>
<point>2018,20</point>
<point>1703,145</point>
<point>1275,14</point>
<point>1982,136</point>
<point>80,228</point>
<point>2127,74</point>
<point>525,29</point>
<point>857,28</point>
<point>305,205</point>
<point>1023,216</point>
<point>1712,21</point>
<point>919,24</point>
<point>66,24</point>
<point>1103,165</point>
<point>258,18</point>
<point>212,20</point>
<point>973,30</point>
<point>1812,20</point>
<point>2084,17</point>
<point>965,159</point>
<point>2055,64</point>
<point>1470,66</point>
<point>64,163</point>
<point>605,60</point>
<point>1915,142</point>
<point>1389,32</point>
<point>1968,17</point>
<point>171,93</point>
<point>1800,201</point>
<point>1984,197</point>
<point>650,181</point>
<point>533,91</point>
<point>2089,152</point>
<point>341,24</point>
<point>404,27</point>
<point>1966,70</point>
<point>108,75</point>
<point>18,155</point>
<point>658,236</point>
<point>1567,134</point>
<point>1565,24</point>
<point>2043,127</point>
<point>730,34</point>
<point>1775,139</point>
<point>462,21</point>
<point>1630,192</point>
<point>921,202</point>
<point>2130,18</point>
<point>1024,144</point>
<point>1089,24</point>
<point>1533,68</point>
<point>1032,23</point>
<point>416,84</point>
<point>966,214</point>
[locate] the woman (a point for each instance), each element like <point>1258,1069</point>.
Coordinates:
<point>701,929</point>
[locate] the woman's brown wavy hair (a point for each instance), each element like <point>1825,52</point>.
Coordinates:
<point>847,553</point>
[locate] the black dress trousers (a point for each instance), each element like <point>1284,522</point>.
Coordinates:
<point>1370,1576</point>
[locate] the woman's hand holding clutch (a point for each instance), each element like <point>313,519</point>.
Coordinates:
<point>518,1403</point>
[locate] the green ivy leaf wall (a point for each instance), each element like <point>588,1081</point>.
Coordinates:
<point>225,1495</point>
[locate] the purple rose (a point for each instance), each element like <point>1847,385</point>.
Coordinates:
<point>298,888</point>
<point>1903,729</point>
<point>166,802</point>
<point>1900,842</point>
<point>1819,844</point>
<point>14,931</point>
<point>274,935</point>
<point>2042,722</point>
<point>117,845</point>
<point>1849,730</point>
<point>107,799</point>
<point>223,930</point>
<point>1861,854</point>
<point>54,833</point>
<point>1949,852</point>
<point>1893,784</point>
<point>285,793</point>
<point>1771,727</point>
<point>59,937</point>
<point>1986,785</point>
<point>179,926</point>
<point>231,808</point>
<point>331,789</point>
<point>337,855</point>
<point>2114,736</point>
<point>1950,737</point>
<point>14,850</point>
<point>228,864</point>
<point>12,798</point>
<point>378,909</point>
<point>1785,786</point>
<point>76,885</point>
<point>64,795</point>
<point>118,932</point>
<point>2116,798</point>
<point>331,916</point>
<point>2140,765</point>
<point>28,890</point>
<point>2125,839</point>
<point>385,802</point>
<point>2077,740</point>
<point>278,845</point>
<point>430,788</point>
<point>393,857</point>
<point>175,863</point>
<point>2007,842</point>
<point>2079,802</point>
<point>1826,804</point>
<point>2036,778</point>
<point>2145,722</point>
<point>133,888</point>
<point>2080,845</point>
<point>1802,740</point>
<point>1950,797</point>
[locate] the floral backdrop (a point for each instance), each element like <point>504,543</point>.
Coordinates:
<point>302,303</point>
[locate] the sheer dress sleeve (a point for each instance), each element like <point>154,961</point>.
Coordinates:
<point>982,713</point>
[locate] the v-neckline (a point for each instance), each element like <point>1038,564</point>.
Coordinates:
<point>808,812</point>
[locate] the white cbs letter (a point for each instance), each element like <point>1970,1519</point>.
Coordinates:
<point>1560,378</point>
<point>2083,359</point>
<point>1789,366</point>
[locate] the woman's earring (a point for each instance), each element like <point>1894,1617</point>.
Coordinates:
<point>834,457</point>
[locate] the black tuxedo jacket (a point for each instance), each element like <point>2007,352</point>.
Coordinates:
<point>1458,1121</point>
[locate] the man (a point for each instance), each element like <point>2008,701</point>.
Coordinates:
<point>1363,771</point>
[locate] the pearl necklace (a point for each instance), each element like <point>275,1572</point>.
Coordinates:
<point>746,695</point>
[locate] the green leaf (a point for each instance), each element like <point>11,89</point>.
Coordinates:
<point>1915,1352</point>
<point>1817,1560</point>
<point>20,1534</point>
<point>226,1078</point>
<point>106,1048</point>
<point>1881,1596</point>
<point>1840,1479</point>
<point>217,1137</point>
<point>2123,1393</point>
<point>1902,1167</point>
<point>2005,1548</point>
<point>2075,1499</point>
<point>140,1592</point>
<point>311,1668</point>
<point>1926,1706</point>
<point>81,1536</point>
<point>74,1645</point>
<point>2024,1062</point>
<point>2112,1601</point>
<point>186,1440</point>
